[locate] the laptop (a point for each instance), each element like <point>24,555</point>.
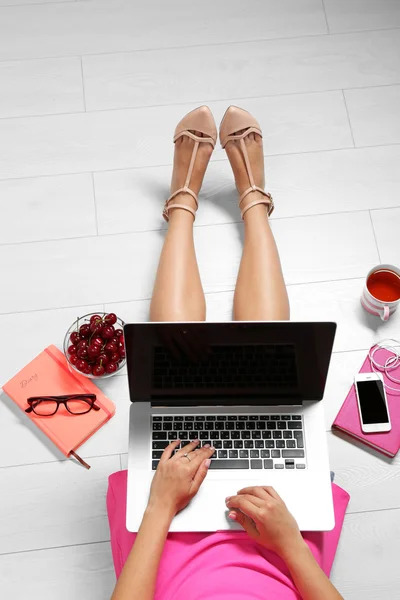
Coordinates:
<point>254,391</point>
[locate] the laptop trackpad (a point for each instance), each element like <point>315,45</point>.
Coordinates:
<point>208,511</point>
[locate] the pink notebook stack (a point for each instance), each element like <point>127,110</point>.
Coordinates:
<point>348,418</point>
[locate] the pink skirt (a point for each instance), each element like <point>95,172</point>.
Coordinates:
<point>222,565</point>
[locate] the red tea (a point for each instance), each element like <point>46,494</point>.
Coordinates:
<point>384,285</point>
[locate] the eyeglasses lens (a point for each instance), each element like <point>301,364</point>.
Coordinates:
<point>79,406</point>
<point>44,408</point>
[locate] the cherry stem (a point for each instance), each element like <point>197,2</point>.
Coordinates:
<point>97,322</point>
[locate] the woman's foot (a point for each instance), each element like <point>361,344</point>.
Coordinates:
<point>195,137</point>
<point>254,146</point>
<point>241,137</point>
<point>182,157</point>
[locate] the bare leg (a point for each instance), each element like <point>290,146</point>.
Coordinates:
<point>260,293</point>
<point>178,294</point>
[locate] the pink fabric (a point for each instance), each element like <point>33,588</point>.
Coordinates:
<point>222,565</point>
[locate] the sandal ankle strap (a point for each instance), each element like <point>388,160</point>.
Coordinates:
<point>269,202</point>
<point>182,206</point>
<point>184,190</point>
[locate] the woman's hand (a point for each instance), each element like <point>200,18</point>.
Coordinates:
<point>178,478</point>
<point>263,514</point>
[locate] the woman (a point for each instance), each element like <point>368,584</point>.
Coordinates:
<point>270,559</point>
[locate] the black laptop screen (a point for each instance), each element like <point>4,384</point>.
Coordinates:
<point>225,363</point>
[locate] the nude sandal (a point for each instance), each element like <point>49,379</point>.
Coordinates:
<point>236,119</point>
<point>200,119</point>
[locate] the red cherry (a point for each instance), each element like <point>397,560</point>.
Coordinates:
<point>121,353</point>
<point>88,369</point>
<point>107,332</point>
<point>110,319</point>
<point>119,332</point>
<point>96,327</point>
<point>98,370</point>
<point>115,340</point>
<point>94,350</point>
<point>114,357</point>
<point>98,341</point>
<point>103,359</point>
<point>110,348</point>
<point>84,331</point>
<point>95,318</point>
<point>72,349</point>
<point>73,359</point>
<point>82,344</point>
<point>74,337</point>
<point>82,353</point>
<point>80,364</point>
<point>111,367</point>
<point>121,345</point>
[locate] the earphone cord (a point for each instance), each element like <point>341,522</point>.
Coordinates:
<point>391,363</point>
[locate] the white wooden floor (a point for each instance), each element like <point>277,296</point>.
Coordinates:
<point>90,92</point>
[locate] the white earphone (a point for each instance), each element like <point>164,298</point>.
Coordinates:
<point>391,363</point>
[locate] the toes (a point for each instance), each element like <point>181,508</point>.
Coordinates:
<point>234,143</point>
<point>186,141</point>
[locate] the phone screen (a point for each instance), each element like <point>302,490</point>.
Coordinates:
<point>371,395</point>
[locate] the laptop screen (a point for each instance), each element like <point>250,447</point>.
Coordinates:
<point>200,363</point>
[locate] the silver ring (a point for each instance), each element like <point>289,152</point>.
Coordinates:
<point>186,456</point>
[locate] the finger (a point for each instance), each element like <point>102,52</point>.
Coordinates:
<point>200,475</point>
<point>200,455</point>
<point>245,522</point>
<point>256,500</point>
<point>199,449</point>
<point>272,492</point>
<point>195,452</point>
<point>166,455</point>
<point>188,448</point>
<point>244,504</point>
<point>256,490</point>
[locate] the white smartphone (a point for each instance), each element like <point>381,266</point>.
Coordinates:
<point>372,403</point>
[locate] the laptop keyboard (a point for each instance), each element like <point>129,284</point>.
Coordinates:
<point>240,441</point>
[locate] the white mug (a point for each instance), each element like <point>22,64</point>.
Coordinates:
<point>375,306</point>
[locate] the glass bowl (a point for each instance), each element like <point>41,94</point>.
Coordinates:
<point>85,320</point>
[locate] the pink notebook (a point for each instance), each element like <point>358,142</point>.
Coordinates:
<point>348,418</point>
<point>49,374</point>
